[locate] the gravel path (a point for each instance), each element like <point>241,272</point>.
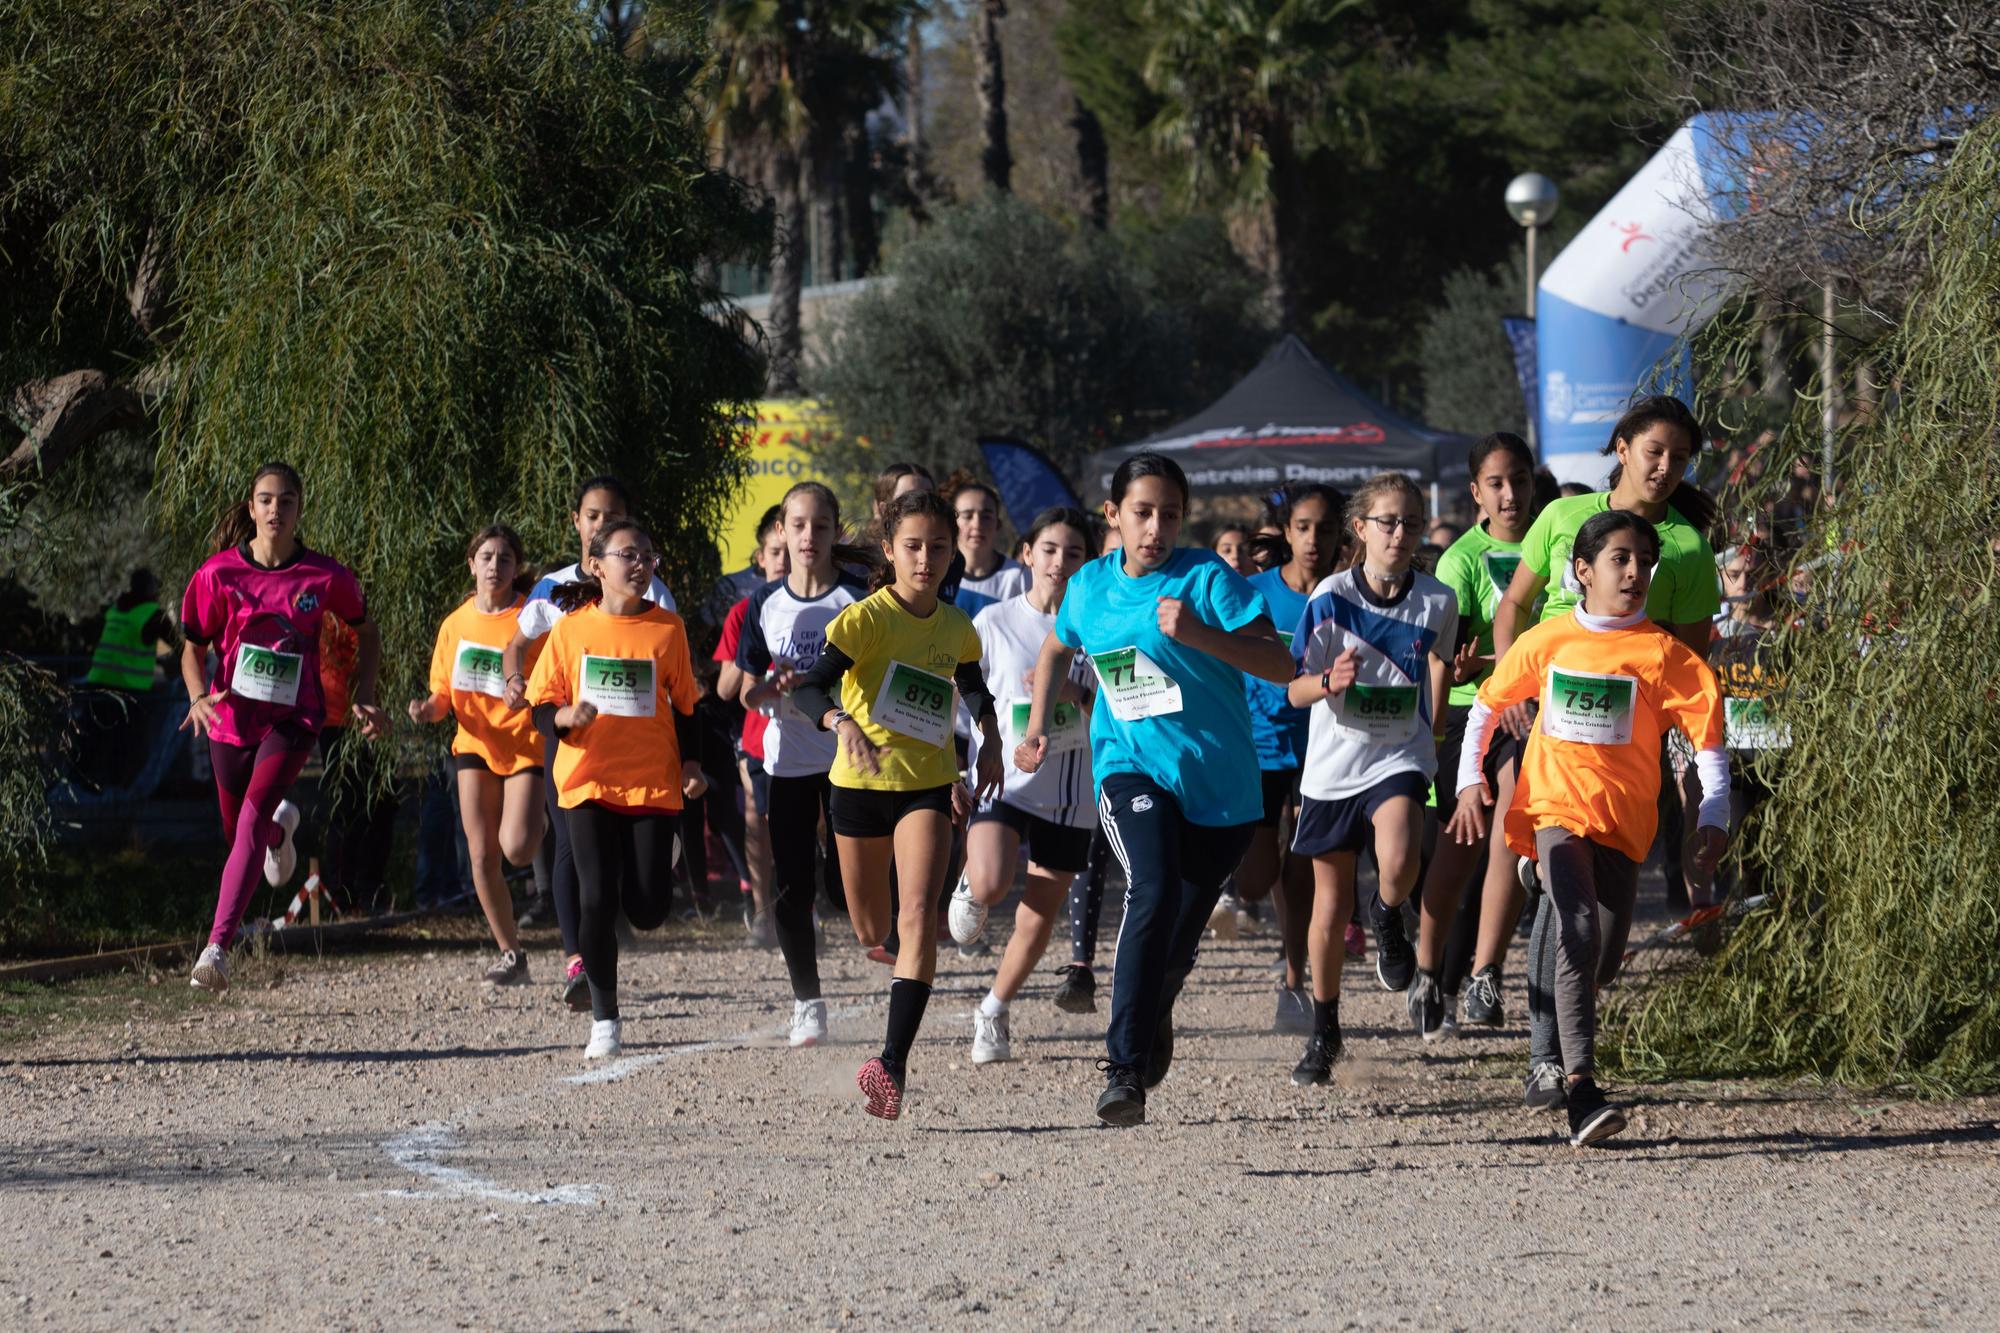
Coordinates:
<point>371,1141</point>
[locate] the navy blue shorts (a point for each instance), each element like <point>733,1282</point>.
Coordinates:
<point>1348,824</point>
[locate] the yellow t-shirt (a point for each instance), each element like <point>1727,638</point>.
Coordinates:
<point>1592,764</point>
<point>637,671</point>
<point>465,668</point>
<point>900,690</point>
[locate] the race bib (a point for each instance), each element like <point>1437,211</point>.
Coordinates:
<point>1587,708</point>
<point>266,675</point>
<point>619,686</point>
<point>1385,714</point>
<point>1500,567</point>
<point>1066,731</point>
<point>1747,725</point>
<point>477,670</point>
<point>915,703</point>
<point>1134,685</point>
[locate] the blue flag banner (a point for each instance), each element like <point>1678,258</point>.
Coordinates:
<point>1521,337</point>
<point>1027,480</point>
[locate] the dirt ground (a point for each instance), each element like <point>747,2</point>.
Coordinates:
<point>369,1141</point>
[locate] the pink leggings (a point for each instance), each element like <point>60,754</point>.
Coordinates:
<point>250,780</point>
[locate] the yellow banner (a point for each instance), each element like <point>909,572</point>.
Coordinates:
<point>783,445</point>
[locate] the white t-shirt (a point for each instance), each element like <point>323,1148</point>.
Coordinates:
<point>540,615</point>
<point>1011,634</point>
<point>1381,725</point>
<point>783,630</point>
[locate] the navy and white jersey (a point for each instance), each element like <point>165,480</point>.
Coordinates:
<point>1382,724</point>
<point>1011,635</point>
<point>785,631</point>
<point>540,614</point>
<point>975,595</point>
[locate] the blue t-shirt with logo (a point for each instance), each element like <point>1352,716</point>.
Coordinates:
<point>1203,752</point>
<point>1278,728</point>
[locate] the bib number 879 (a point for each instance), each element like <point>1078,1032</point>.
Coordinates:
<point>927,698</point>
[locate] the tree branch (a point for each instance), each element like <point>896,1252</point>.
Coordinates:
<point>61,415</point>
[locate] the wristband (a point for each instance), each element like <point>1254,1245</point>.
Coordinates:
<point>1326,680</point>
<point>514,677</point>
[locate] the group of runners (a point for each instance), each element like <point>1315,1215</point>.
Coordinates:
<point>920,710</point>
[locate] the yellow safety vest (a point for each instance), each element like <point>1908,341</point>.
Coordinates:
<point>123,659</point>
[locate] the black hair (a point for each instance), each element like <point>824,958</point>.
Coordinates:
<point>1660,409</point>
<point>1274,549</point>
<point>1600,528</point>
<point>234,525</point>
<point>603,482</point>
<point>1147,465</point>
<point>910,504</point>
<point>1500,441</point>
<point>569,597</point>
<point>774,517</point>
<point>1066,517</point>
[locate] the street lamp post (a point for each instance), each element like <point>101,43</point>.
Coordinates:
<point>1531,200</point>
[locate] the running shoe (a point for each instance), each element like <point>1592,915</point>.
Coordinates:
<point>883,1090</point>
<point>1222,921</point>
<point>763,931</point>
<point>1425,1003</point>
<point>540,911</point>
<point>1295,1013</point>
<point>1524,870</point>
<point>281,860</point>
<point>967,916</point>
<point>977,949</point>
<point>880,954</point>
<point>1161,1058</point>
<point>1450,1026</point>
<point>605,1043</point>
<point>991,1041</point>
<point>1482,998</point>
<point>1316,1065</point>
<point>1076,993</point>
<point>576,987</point>
<point>211,970</point>
<point>1355,941</point>
<point>1123,1102</point>
<point>509,969</point>
<point>1395,960</point>
<point>808,1023</point>
<point>1592,1119</point>
<point>1547,1087</point>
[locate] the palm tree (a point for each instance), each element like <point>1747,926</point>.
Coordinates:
<point>990,82</point>
<point>1244,84</point>
<point>790,78</point>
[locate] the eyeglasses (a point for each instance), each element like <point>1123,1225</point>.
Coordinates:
<point>634,556</point>
<point>1389,523</point>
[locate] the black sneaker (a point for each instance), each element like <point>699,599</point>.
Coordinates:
<point>1395,960</point>
<point>1592,1119</point>
<point>540,911</point>
<point>1545,1087</point>
<point>1425,1002</point>
<point>1482,998</point>
<point>1316,1065</point>
<point>1077,992</point>
<point>1161,1058</point>
<point>1123,1102</point>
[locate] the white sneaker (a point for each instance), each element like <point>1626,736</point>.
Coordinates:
<point>211,971</point>
<point>282,860</point>
<point>808,1023</point>
<point>968,917</point>
<point>1524,870</point>
<point>990,1041</point>
<point>605,1043</point>
<point>1222,921</point>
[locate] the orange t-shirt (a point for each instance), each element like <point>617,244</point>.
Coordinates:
<point>1592,764</point>
<point>465,668</point>
<point>339,658</point>
<point>638,672</point>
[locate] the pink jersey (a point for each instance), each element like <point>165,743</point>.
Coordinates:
<point>265,627</point>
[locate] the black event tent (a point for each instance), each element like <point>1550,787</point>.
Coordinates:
<point>1294,418</point>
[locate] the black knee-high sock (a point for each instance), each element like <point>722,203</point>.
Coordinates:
<point>907,1001</point>
<point>1326,1015</point>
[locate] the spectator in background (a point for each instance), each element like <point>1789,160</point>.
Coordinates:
<point>111,726</point>
<point>1232,543</point>
<point>1443,532</point>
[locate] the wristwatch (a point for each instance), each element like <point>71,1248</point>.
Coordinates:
<point>840,715</point>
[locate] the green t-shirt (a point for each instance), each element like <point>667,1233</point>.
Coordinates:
<point>1477,568</point>
<point>1685,589</point>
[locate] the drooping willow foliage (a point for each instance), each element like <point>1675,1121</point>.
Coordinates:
<point>447,258</point>
<point>1879,960</point>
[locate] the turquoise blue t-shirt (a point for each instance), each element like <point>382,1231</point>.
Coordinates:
<point>1278,728</point>
<point>1201,749</point>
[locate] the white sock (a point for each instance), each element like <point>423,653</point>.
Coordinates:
<point>992,1006</point>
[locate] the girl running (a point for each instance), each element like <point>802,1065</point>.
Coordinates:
<point>784,632</point>
<point>1375,646</point>
<point>1609,681</point>
<point>615,685</point>
<point>1478,568</point>
<point>1232,542</point>
<point>989,577</point>
<point>599,501</point>
<point>1170,633</point>
<point>894,658</point>
<point>772,562</point>
<point>1053,811</point>
<point>258,601</point>
<point>496,754</point>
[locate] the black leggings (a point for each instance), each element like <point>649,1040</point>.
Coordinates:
<point>797,807</point>
<point>1086,901</point>
<point>614,848</point>
<point>562,861</point>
